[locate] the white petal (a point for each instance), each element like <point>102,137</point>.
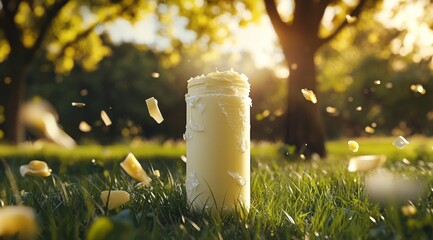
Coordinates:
<point>105,118</point>
<point>116,198</point>
<point>155,113</point>
<point>134,169</point>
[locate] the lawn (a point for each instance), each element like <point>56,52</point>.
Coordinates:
<point>291,198</point>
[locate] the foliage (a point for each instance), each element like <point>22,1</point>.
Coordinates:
<point>318,199</point>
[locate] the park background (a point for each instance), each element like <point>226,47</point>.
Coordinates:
<point>368,62</point>
<point>113,56</point>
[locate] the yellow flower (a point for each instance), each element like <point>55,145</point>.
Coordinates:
<point>35,168</point>
<point>19,221</point>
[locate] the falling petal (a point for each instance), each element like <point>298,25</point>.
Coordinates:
<point>133,168</point>
<point>155,113</point>
<point>353,146</point>
<point>85,127</point>
<point>41,116</point>
<point>365,163</point>
<point>400,142</point>
<point>115,198</point>
<point>183,157</point>
<point>78,104</point>
<point>369,129</point>
<point>155,75</point>
<point>309,95</point>
<point>35,168</point>
<point>405,161</point>
<point>331,110</point>
<point>105,118</point>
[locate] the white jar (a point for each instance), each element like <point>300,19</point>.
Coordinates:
<point>218,141</point>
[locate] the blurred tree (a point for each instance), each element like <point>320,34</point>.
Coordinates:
<point>67,32</point>
<point>368,83</point>
<point>65,28</point>
<point>301,37</point>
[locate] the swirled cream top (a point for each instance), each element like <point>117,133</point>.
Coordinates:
<point>228,83</point>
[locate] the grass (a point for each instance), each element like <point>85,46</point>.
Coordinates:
<point>290,199</point>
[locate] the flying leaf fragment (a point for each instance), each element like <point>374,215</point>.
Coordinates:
<point>353,146</point>
<point>155,113</point>
<point>78,104</point>
<point>155,74</point>
<point>84,127</point>
<point>400,142</point>
<point>309,95</point>
<point>331,110</point>
<point>116,198</point>
<point>18,222</point>
<point>41,117</point>
<point>105,118</point>
<point>369,129</point>
<point>35,168</point>
<point>134,169</point>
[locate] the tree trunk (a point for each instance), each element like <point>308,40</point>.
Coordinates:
<point>15,71</point>
<point>304,128</point>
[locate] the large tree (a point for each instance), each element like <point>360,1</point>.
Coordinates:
<point>300,38</point>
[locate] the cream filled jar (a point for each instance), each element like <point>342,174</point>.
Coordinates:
<point>218,141</point>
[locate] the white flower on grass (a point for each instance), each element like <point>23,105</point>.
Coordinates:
<point>133,168</point>
<point>35,168</point>
<point>365,163</point>
<point>353,146</point>
<point>309,95</point>
<point>18,222</point>
<point>115,198</point>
